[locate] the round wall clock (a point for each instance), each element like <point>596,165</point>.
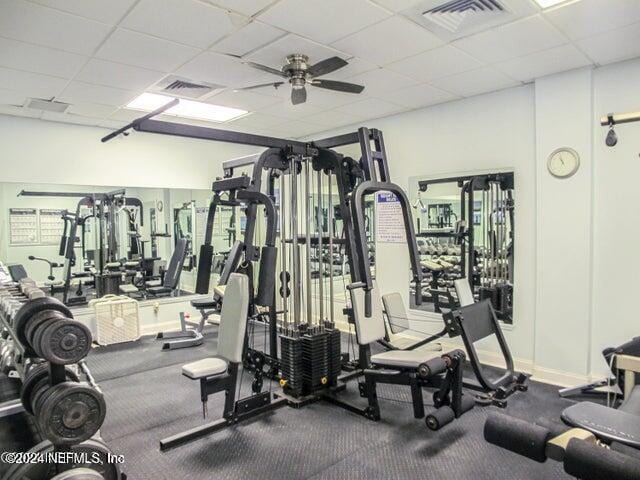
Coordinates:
<point>563,162</point>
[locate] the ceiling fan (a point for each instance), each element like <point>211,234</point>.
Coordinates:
<point>299,73</point>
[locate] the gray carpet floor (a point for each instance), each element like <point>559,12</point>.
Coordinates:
<point>148,399</point>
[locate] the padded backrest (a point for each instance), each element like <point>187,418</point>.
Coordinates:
<point>17,272</point>
<point>233,318</point>
<point>396,314</point>
<point>233,259</point>
<point>172,275</point>
<point>368,330</point>
<point>463,289</point>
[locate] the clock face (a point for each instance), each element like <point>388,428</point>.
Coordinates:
<point>563,162</point>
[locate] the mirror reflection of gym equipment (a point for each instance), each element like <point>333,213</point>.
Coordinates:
<point>465,229</point>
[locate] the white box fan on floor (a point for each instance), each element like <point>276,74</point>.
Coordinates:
<point>117,319</point>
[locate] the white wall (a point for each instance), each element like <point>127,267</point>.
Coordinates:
<point>616,262</point>
<point>37,151</point>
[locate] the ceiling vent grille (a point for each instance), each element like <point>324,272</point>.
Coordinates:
<point>176,86</point>
<point>453,19</point>
<point>457,14</point>
<point>46,105</point>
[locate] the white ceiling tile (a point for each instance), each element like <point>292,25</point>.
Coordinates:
<point>554,60</point>
<point>298,128</point>
<point>34,23</point>
<point>326,99</point>
<point>69,118</point>
<point>474,82</point>
<point>10,97</point>
<point>273,55</point>
<point>110,12</point>
<point>380,81</point>
<point>529,35</point>
<point>19,111</point>
<point>590,17</point>
<point>224,70</point>
<point>138,49</point>
<point>118,75</point>
<point>247,39</point>
<point>31,84</point>
<point>324,21</point>
<point>356,66</point>
<point>257,120</point>
<point>79,92</point>
<point>288,111</point>
<point>184,21</point>
<point>37,59</point>
<point>419,96</point>
<point>125,115</point>
<point>437,63</point>
<point>613,46</point>
<point>111,124</point>
<point>246,7</point>
<point>388,41</point>
<point>371,108</point>
<point>397,5</point>
<point>333,119</point>
<point>243,99</point>
<point>90,110</point>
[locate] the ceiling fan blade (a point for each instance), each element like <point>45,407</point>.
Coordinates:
<point>264,68</point>
<point>338,86</point>
<point>272,84</point>
<point>298,95</point>
<point>327,65</point>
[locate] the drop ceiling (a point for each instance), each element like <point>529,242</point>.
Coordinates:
<point>98,55</point>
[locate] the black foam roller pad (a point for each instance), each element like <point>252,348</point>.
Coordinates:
<point>267,276</point>
<point>589,461</point>
<point>204,268</point>
<point>518,436</point>
<point>436,365</point>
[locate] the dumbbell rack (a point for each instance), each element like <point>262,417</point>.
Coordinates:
<point>54,388</point>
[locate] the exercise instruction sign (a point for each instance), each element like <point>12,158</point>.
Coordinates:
<point>389,220</point>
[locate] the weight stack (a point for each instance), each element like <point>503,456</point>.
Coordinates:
<point>291,364</point>
<point>315,359</point>
<point>335,355</point>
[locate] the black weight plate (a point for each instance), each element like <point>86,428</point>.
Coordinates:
<point>34,375</point>
<point>33,378</point>
<point>71,413</point>
<point>64,341</point>
<point>32,307</point>
<point>37,320</point>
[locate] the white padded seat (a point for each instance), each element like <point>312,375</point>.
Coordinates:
<point>128,288</point>
<point>430,265</point>
<point>463,290</point>
<point>402,358</point>
<point>219,290</point>
<point>207,367</point>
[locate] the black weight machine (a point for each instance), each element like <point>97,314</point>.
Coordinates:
<point>309,356</point>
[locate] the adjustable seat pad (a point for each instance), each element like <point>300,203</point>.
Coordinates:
<point>604,422</point>
<point>203,303</point>
<point>233,325</point>
<point>403,358</point>
<point>207,367</point>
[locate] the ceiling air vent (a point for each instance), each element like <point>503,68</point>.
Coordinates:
<point>454,19</point>
<point>175,86</point>
<point>46,105</point>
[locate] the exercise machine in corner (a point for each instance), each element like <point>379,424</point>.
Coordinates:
<point>302,316</point>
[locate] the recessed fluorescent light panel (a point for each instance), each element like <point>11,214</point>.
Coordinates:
<point>550,3</point>
<point>148,102</point>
